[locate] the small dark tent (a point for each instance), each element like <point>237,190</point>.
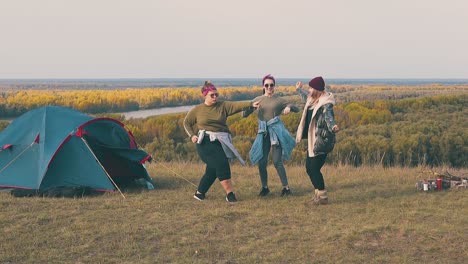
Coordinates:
<point>55,147</point>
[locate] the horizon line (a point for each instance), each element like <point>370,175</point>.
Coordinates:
<point>216,78</point>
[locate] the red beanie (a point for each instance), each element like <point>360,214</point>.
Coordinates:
<point>317,83</point>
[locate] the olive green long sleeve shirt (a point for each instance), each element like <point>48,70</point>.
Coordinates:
<point>270,107</point>
<point>212,118</point>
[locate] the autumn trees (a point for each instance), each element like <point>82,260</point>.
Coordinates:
<point>14,103</point>
<point>387,126</point>
<point>408,132</point>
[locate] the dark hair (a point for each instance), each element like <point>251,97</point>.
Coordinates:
<point>206,85</point>
<point>268,77</point>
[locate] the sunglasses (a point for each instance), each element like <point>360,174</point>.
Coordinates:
<point>213,95</point>
<point>269,85</point>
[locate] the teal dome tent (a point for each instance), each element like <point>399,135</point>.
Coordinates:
<point>54,147</point>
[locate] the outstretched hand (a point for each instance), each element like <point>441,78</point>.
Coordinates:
<point>335,129</point>
<point>286,110</point>
<point>299,85</point>
<point>194,139</point>
<point>256,104</point>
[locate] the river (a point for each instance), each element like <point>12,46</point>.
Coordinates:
<point>144,113</point>
<point>157,111</point>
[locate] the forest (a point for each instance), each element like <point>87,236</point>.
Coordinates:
<point>421,131</point>
<point>16,102</point>
<point>380,125</point>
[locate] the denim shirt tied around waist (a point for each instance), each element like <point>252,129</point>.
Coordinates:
<point>278,135</point>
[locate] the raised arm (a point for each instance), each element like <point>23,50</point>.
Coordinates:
<point>303,93</point>
<point>247,112</point>
<point>236,107</point>
<point>287,107</point>
<point>290,107</point>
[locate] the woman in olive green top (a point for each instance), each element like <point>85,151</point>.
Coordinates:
<point>206,125</point>
<point>272,135</point>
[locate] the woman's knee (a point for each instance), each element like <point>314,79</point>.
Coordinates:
<point>278,164</point>
<point>223,172</point>
<point>224,177</point>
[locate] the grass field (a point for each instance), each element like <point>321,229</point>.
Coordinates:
<point>375,215</point>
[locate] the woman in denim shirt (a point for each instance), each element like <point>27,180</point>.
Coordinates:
<point>271,135</point>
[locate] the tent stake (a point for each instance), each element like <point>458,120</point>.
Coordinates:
<point>108,176</point>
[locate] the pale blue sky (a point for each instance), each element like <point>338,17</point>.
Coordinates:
<point>233,39</point>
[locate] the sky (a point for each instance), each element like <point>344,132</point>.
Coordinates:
<point>233,39</point>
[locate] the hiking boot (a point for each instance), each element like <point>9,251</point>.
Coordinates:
<point>199,196</point>
<point>231,197</point>
<point>264,192</point>
<point>320,197</point>
<point>315,194</point>
<point>286,192</point>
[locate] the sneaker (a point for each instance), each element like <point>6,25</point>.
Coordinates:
<point>264,191</point>
<point>286,192</point>
<point>199,196</point>
<point>231,197</point>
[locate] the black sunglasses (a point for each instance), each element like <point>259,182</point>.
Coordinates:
<point>213,95</point>
<point>269,85</point>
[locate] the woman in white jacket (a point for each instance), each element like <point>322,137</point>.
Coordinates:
<point>318,126</point>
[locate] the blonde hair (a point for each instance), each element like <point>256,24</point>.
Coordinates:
<point>315,95</point>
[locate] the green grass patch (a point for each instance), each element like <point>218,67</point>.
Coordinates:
<point>375,215</point>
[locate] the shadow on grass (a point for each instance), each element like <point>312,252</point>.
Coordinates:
<point>363,191</point>
<point>172,183</point>
<point>367,194</point>
<point>57,192</point>
<point>302,191</point>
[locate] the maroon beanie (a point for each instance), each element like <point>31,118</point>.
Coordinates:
<point>317,83</point>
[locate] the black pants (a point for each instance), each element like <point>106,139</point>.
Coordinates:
<point>313,167</point>
<point>217,164</point>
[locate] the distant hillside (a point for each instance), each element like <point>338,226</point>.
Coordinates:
<point>124,83</point>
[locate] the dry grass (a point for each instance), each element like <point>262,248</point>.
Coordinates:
<point>375,216</point>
